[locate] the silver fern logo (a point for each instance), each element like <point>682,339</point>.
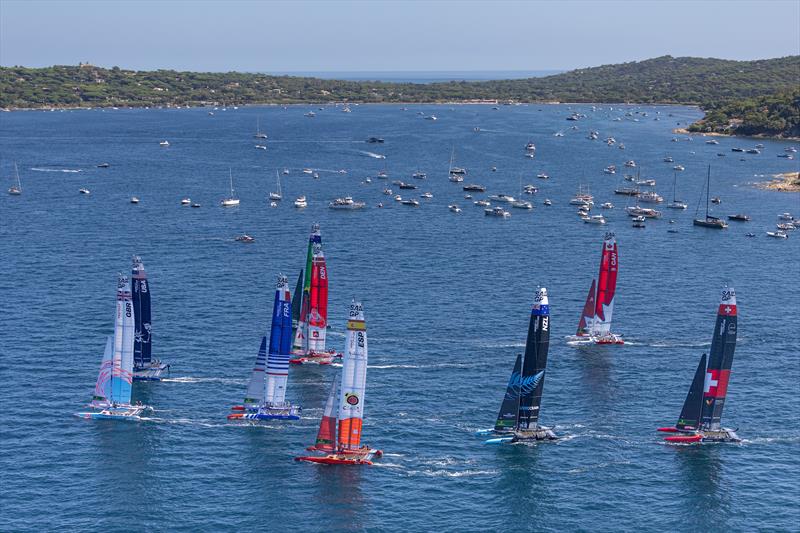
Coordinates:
<point>518,387</point>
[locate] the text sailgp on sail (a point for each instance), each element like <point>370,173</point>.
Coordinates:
<point>518,419</point>
<point>145,368</point>
<point>112,392</point>
<point>700,418</point>
<point>308,345</point>
<point>595,322</point>
<point>266,392</point>
<point>340,429</point>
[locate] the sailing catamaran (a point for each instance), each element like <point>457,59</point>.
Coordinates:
<point>518,420</point>
<point>709,221</point>
<point>145,368</point>
<point>309,338</point>
<point>595,323</point>
<point>699,420</point>
<point>266,395</point>
<point>340,430</point>
<point>112,392</point>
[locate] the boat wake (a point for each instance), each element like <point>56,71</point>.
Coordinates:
<point>372,154</point>
<point>56,170</point>
<point>189,379</point>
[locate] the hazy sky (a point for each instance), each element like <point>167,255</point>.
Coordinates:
<point>379,35</point>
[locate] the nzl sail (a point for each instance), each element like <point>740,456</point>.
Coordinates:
<point>142,345</point>
<point>266,392</point>
<point>702,410</point>
<point>300,343</point>
<point>341,427</point>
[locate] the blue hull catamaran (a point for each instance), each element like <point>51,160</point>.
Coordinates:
<point>700,418</point>
<point>266,394</point>
<point>518,420</point>
<point>145,368</point>
<point>112,392</point>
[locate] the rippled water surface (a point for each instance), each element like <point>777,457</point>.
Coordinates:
<point>446,298</point>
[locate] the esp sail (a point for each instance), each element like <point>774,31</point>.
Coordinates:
<point>280,340</point>
<point>606,286</point>
<point>122,358</point>
<point>587,316</point>
<point>534,363</point>
<point>318,302</point>
<point>720,361</point>
<point>689,419</point>
<point>507,417</point>
<point>354,380</point>
<point>143,334</point>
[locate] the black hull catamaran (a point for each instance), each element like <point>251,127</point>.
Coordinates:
<point>700,418</point>
<point>518,420</point>
<point>145,368</point>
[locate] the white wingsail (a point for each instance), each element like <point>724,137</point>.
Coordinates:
<point>354,380</point>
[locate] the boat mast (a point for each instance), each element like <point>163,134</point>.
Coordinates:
<point>230,175</point>
<point>708,188</point>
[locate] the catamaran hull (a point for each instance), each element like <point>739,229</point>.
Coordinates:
<point>314,358</point>
<point>150,373</point>
<point>612,338</point>
<point>539,434</point>
<point>262,416</point>
<point>364,458</point>
<point>114,414</point>
<point>721,435</point>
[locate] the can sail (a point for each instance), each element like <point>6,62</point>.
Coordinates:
<point>255,388</point>
<point>326,436</point>
<point>318,302</point>
<point>606,286</point>
<point>689,420</point>
<point>354,380</point>
<point>280,344</point>
<point>720,361</point>
<point>534,362</point>
<point>143,336</point>
<point>300,343</point>
<point>507,417</point>
<point>102,389</point>
<point>587,317</point>
<point>122,359</point>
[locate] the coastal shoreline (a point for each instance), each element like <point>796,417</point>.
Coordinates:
<point>684,131</point>
<point>786,182</point>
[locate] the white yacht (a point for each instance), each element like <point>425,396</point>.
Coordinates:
<point>594,219</point>
<point>277,196</point>
<point>83,190</point>
<point>482,203</point>
<point>498,212</point>
<point>164,143</point>
<point>232,200</point>
<point>301,202</point>
<point>521,204</point>
<point>186,201</point>
<point>346,203</point>
<point>454,208</point>
<point>134,199</point>
<point>16,190</point>
<point>500,197</point>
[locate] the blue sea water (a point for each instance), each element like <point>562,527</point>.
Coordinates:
<point>446,297</point>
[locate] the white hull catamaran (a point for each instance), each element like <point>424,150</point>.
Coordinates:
<point>594,326</point>
<point>145,368</point>
<point>112,392</point>
<point>340,430</point>
<point>266,394</point>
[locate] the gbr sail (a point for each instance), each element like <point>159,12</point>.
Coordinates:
<point>102,389</point>
<point>122,355</point>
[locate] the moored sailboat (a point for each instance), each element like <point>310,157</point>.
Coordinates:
<point>145,368</point>
<point>700,418</point>
<point>595,322</point>
<point>266,392</point>
<point>16,190</point>
<point>112,392</point>
<point>709,221</point>
<point>518,420</point>
<point>340,430</point>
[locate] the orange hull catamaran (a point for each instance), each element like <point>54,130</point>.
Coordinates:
<point>340,430</point>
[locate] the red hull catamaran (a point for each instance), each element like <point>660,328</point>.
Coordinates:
<point>700,418</point>
<point>595,323</point>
